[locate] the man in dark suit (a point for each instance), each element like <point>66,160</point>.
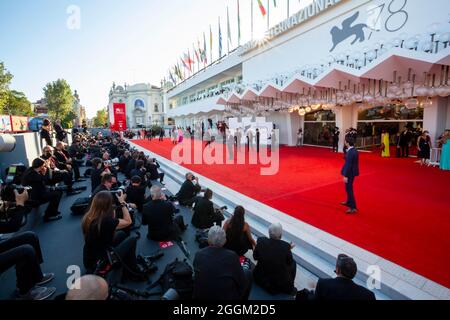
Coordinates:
<point>276,268</point>
<point>218,274</point>
<point>204,214</point>
<point>152,167</point>
<point>136,193</point>
<point>342,287</point>
<point>35,177</point>
<point>158,215</point>
<point>188,191</point>
<point>350,171</point>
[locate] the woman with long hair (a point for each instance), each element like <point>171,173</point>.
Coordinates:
<point>103,231</point>
<point>239,236</point>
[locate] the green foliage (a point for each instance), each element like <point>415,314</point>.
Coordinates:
<point>17,104</point>
<point>101,119</point>
<point>5,80</point>
<point>59,101</point>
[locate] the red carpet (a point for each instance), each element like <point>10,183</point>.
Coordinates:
<point>404,208</point>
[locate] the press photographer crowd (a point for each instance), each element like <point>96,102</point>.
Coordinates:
<point>127,193</point>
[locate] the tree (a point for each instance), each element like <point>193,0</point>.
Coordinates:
<point>17,104</point>
<point>5,80</point>
<point>101,119</point>
<point>59,101</point>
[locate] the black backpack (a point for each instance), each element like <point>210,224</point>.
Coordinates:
<point>80,206</point>
<point>177,275</point>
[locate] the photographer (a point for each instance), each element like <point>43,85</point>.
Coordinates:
<point>139,170</point>
<point>76,151</point>
<point>188,191</point>
<point>123,161</point>
<point>152,169</point>
<point>131,164</point>
<point>136,193</point>
<point>103,231</point>
<point>98,171</point>
<point>158,214</point>
<point>58,172</point>
<point>205,216</point>
<point>107,182</point>
<point>24,252</point>
<point>35,178</point>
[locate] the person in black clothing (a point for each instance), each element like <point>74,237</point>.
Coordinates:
<point>76,151</point>
<point>139,170</point>
<point>98,171</point>
<point>188,191</point>
<point>158,215</point>
<point>161,134</point>
<point>61,134</point>
<point>35,177</point>
<point>103,231</point>
<point>63,156</point>
<point>258,137</point>
<point>58,172</point>
<point>218,274</point>
<point>131,164</point>
<point>152,168</point>
<point>106,184</point>
<point>405,140</point>
<point>136,193</point>
<point>342,287</point>
<point>336,134</point>
<point>123,161</point>
<point>239,236</point>
<point>276,268</point>
<point>205,216</point>
<point>24,252</point>
<point>45,132</point>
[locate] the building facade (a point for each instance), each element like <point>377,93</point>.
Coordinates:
<point>144,104</point>
<point>368,64</point>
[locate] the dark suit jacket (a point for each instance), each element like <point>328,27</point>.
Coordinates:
<point>203,214</point>
<point>158,215</point>
<point>341,289</point>
<point>136,195</point>
<point>33,179</point>
<point>351,166</point>
<point>187,191</point>
<point>274,270</point>
<point>153,170</point>
<point>218,275</point>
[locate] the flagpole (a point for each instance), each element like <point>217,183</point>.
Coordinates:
<point>288,9</point>
<point>252,20</point>
<point>239,24</point>
<point>268,14</point>
<point>228,31</point>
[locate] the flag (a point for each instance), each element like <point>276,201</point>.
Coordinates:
<point>210,43</point>
<point>229,42</point>
<point>220,40</point>
<point>205,58</point>
<point>172,77</point>
<point>239,23</point>
<point>188,61</point>
<point>196,53</point>
<point>261,7</point>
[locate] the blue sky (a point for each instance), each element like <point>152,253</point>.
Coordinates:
<point>123,41</point>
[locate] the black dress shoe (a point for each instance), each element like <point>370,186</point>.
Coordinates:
<point>351,211</point>
<point>344,204</point>
<point>51,219</point>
